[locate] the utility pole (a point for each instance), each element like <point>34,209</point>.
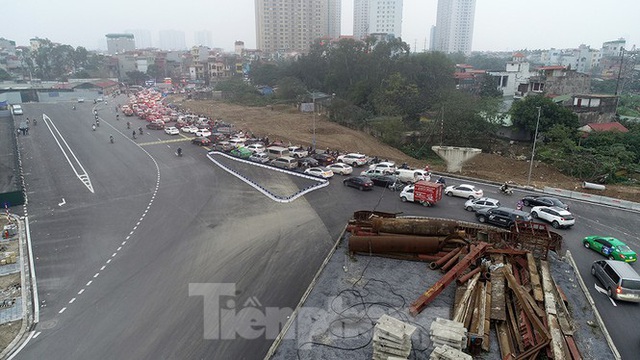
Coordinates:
<point>533,152</point>
<point>619,76</point>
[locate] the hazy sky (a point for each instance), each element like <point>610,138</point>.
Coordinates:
<point>499,24</point>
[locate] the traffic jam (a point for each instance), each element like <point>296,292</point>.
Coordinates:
<point>364,173</point>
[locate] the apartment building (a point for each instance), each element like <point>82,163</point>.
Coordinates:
<point>454,26</point>
<point>286,26</point>
<point>377,17</point>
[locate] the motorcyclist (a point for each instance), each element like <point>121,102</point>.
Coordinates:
<point>117,116</point>
<point>505,188</point>
<point>111,138</point>
<point>179,151</point>
<point>441,180</point>
<point>93,127</point>
<point>140,130</point>
<point>128,125</point>
<point>73,107</point>
<point>134,134</point>
<point>97,122</point>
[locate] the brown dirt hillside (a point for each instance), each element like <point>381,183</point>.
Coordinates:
<point>287,124</point>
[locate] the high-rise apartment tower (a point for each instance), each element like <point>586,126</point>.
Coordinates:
<point>454,26</point>
<point>293,25</point>
<point>377,17</point>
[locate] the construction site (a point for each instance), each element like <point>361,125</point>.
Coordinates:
<point>416,288</point>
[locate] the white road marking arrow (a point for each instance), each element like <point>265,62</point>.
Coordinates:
<point>62,203</point>
<point>603,291</point>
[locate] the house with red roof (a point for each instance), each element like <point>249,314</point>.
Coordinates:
<point>600,127</point>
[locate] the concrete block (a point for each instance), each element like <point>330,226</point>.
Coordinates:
<point>394,327</point>
<point>445,352</point>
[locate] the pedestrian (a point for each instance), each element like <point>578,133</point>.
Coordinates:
<point>27,121</point>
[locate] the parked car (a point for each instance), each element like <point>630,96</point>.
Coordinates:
<point>256,148</point>
<point>241,152</point>
<point>189,129</point>
<point>203,132</point>
<point>171,130</point>
<point>16,109</point>
<point>373,172</point>
<point>322,172</point>
<point>619,279</point>
<point>610,247</point>
<point>224,146</point>
<point>557,217</point>
<point>341,168</point>
<point>482,203</point>
<point>215,137</point>
<point>201,141</point>
<point>155,126</point>
<point>298,152</point>
<point>261,158</point>
<point>531,200</point>
<point>383,180</point>
<point>308,162</point>
<point>358,182</point>
<point>285,162</point>
<point>501,216</point>
<point>324,159</point>
<point>387,167</point>
<point>353,159</point>
<point>464,190</point>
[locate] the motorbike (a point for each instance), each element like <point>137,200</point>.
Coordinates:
<point>140,130</point>
<point>93,127</point>
<point>128,125</point>
<point>506,190</point>
<point>397,186</point>
<point>111,138</point>
<point>442,181</point>
<point>179,152</point>
<point>134,134</point>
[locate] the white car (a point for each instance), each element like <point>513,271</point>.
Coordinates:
<point>340,168</point>
<point>256,148</point>
<point>482,203</point>
<point>387,167</point>
<point>298,152</point>
<point>353,159</point>
<point>203,133</point>
<point>17,109</point>
<point>320,171</point>
<point>171,130</point>
<point>558,217</point>
<point>464,190</point>
<point>259,157</point>
<point>80,100</point>
<point>189,129</point>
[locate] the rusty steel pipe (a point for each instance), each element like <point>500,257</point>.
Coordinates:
<point>444,259</point>
<point>430,227</point>
<point>449,264</point>
<point>464,278</point>
<point>394,244</point>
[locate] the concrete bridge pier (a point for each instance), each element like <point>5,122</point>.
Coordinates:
<point>455,156</point>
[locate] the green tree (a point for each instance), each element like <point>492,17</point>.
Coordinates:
<point>153,71</point>
<point>265,73</point>
<point>138,77</point>
<point>524,114</point>
<point>489,87</point>
<point>291,88</point>
<point>4,75</point>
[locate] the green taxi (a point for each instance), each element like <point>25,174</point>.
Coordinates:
<point>610,247</point>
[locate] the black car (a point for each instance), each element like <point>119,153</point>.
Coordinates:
<point>324,159</point>
<point>155,126</point>
<point>532,201</point>
<point>308,162</point>
<point>501,216</point>
<point>201,141</point>
<point>383,180</point>
<point>358,182</point>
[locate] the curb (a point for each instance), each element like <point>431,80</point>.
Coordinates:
<point>285,328</point>
<point>603,328</point>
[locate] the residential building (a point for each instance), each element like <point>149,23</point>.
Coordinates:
<point>600,127</point>
<point>142,38</point>
<point>583,59</point>
<point>288,26</point>
<point>454,26</point>
<point>238,47</point>
<point>171,40</point>
<point>613,48</point>
<point>594,108</point>
<point>377,17</point>
<point>514,80</point>
<point>120,43</point>
<point>203,38</point>
<point>558,80</point>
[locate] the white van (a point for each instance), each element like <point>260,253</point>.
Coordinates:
<point>412,175</point>
<point>275,152</point>
<point>285,162</point>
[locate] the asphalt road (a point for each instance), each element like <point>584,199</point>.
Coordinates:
<point>116,266</point>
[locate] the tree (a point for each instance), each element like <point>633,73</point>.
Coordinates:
<point>153,71</point>
<point>138,77</point>
<point>291,88</point>
<point>489,87</point>
<point>524,114</point>
<point>4,75</point>
<point>265,73</point>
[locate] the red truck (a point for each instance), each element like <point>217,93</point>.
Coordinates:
<point>423,192</point>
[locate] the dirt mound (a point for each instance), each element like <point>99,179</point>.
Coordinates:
<point>285,123</point>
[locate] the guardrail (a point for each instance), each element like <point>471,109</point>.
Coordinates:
<point>593,198</point>
<point>281,199</point>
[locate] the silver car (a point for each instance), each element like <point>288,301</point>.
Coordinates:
<point>482,203</point>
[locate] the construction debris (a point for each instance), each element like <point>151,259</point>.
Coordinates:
<point>391,339</point>
<point>503,282</point>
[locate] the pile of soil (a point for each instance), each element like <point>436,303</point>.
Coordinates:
<point>287,124</point>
